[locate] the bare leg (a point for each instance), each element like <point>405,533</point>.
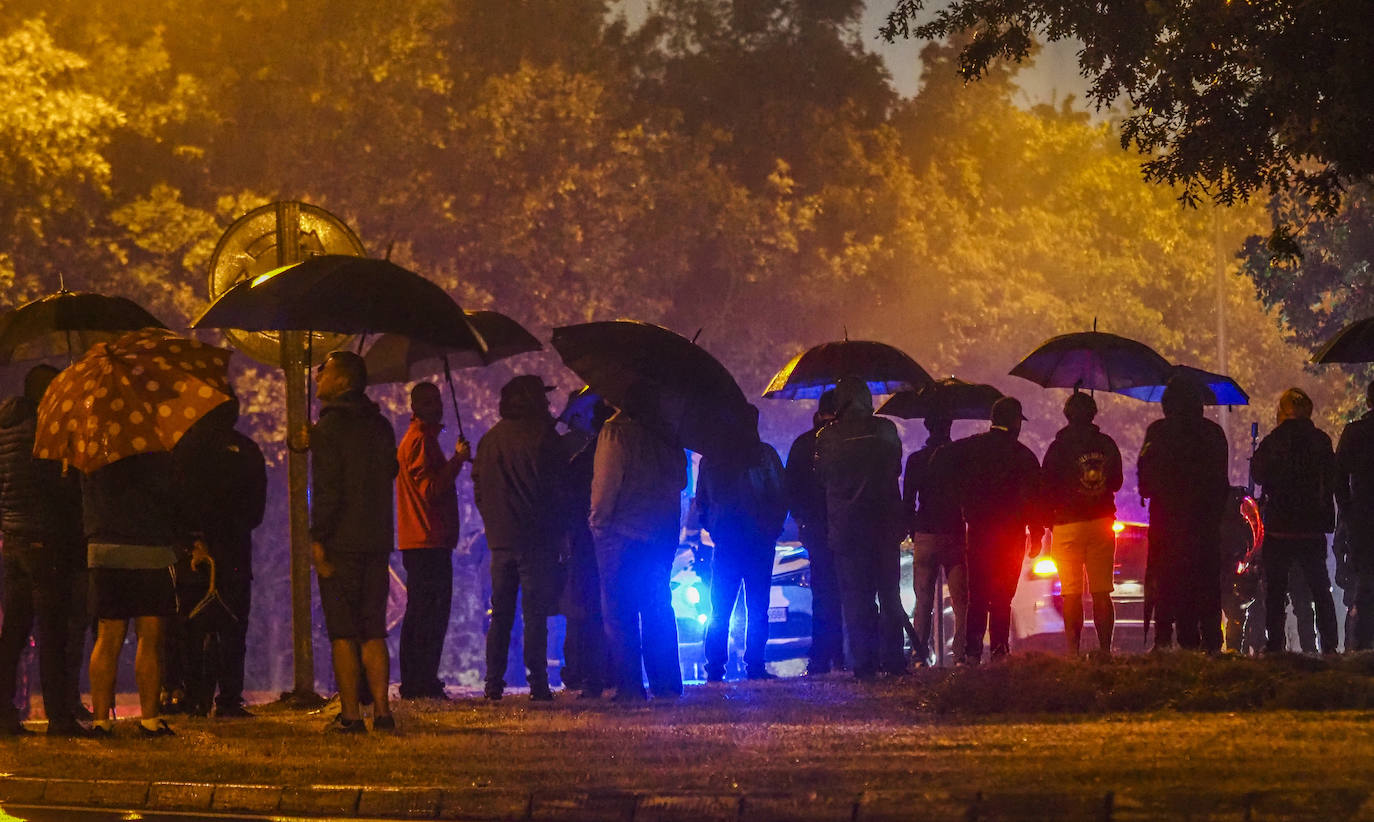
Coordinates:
<point>1073,622</point>
<point>347,668</point>
<point>148,663</point>
<point>104,664</point>
<point>1104,618</point>
<point>377,667</point>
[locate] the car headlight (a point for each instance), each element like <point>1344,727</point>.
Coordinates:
<point>1044,567</point>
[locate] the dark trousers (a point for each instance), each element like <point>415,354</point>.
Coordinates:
<point>217,642</point>
<point>827,637</point>
<point>1363,599</point>
<point>870,581</point>
<point>38,588</point>
<point>637,606</point>
<point>525,575</point>
<point>1309,554</point>
<point>586,659</point>
<point>994,568</point>
<point>429,599</point>
<point>736,564</point>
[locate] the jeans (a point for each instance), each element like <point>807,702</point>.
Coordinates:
<point>870,582</point>
<point>637,606</point>
<point>994,569</point>
<point>1309,554</point>
<point>429,599</point>
<point>735,565</point>
<point>527,574</point>
<point>931,553</point>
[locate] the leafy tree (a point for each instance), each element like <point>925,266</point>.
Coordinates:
<point>1228,99</point>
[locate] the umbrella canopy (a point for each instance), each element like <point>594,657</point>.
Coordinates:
<point>1216,389</point>
<point>946,399</point>
<point>66,324</point>
<point>1093,361</point>
<point>348,295</point>
<point>811,373</point>
<point>1354,343</point>
<point>397,358</point>
<point>135,395</point>
<point>700,399</point>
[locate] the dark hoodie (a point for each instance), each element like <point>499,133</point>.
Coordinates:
<point>518,474</point>
<point>1081,475</point>
<point>1182,465</point>
<point>859,463</point>
<point>1297,468</point>
<point>352,473</point>
<point>36,500</point>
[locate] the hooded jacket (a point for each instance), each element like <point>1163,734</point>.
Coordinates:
<point>37,501</point>
<point>1081,475</point>
<point>999,485</point>
<point>352,473</point>
<point>802,491</point>
<point>1355,486</point>
<point>637,483</point>
<point>1182,466</point>
<point>859,463</point>
<point>1297,469</point>
<point>223,486</point>
<point>518,476</point>
<point>930,493</point>
<point>740,496</point>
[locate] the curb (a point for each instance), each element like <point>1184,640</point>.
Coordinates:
<point>496,805</point>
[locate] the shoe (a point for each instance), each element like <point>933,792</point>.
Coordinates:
<point>384,723</point>
<point>590,693</point>
<point>666,693</point>
<point>630,697</point>
<point>163,729</point>
<point>72,730</point>
<point>173,705</point>
<point>198,710</point>
<point>493,694</point>
<point>339,725</point>
<point>762,675</point>
<point>82,714</point>
<point>98,732</point>
<point>11,726</point>
<point>233,711</point>
<point>541,694</point>
<point>714,677</point>
<point>817,670</point>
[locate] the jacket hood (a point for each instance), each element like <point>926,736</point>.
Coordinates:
<point>15,410</point>
<point>354,402</point>
<point>852,397</point>
<point>1076,429</point>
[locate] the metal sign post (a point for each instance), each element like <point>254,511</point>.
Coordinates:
<point>266,238</point>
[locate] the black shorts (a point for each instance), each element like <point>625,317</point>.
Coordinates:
<point>354,598</point>
<point>126,593</point>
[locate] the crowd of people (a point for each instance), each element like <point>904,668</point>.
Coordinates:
<point>586,523</point>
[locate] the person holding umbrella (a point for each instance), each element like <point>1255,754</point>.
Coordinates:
<point>426,533</point>
<point>806,501</point>
<point>636,511</point>
<point>517,482</point>
<point>1297,469</point>
<point>44,561</point>
<point>936,525</point>
<point>1183,473</point>
<point>1355,497</point>
<point>859,464</point>
<point>1079,480</point>
<point>999,493</point>
<point>352,469</point>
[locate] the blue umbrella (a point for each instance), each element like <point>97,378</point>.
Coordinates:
<point>1217,389</point>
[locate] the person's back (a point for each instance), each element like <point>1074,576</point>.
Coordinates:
<point>1295,465</point>
<point>999,486</point>
<point>517,476</point>
<point>36,498</point>
<point>745,494</point>
<point>1081,475</point>
<point>804,494</point>
<point>1355,497</point>
<point>637,481</point>
<point>859,462</point>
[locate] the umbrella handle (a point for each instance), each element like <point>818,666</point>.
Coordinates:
<point>453,396</point>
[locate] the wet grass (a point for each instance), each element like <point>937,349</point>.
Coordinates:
<point>1178,724</point>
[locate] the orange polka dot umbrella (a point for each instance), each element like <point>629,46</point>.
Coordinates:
<point>137,394</point>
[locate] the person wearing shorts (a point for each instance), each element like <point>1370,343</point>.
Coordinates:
<point>1080,478</point>
<point>352,473</point>
<point>132,531</point>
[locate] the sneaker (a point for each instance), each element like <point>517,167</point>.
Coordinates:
<point>163,729</point>
<point>384,723</point>
<point>234,711</point>
<point>339,725</point>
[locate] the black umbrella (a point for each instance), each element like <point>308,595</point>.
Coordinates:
<point>811,373</point>
<point>67,323</point>
<point>700,399</point>
<point>398,358</point>
<point>945,399</point>
<point>1354,343</point>
<point>347,295</point>
<point>1093,361</point>
<point>1215,389</point>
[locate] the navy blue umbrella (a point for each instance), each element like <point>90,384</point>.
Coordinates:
<point>1216,389</point>
<point>1093,361</point>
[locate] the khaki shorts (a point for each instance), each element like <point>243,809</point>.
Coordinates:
<point>1084,546</point>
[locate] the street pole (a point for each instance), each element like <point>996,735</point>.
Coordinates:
<point>294,364</point>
